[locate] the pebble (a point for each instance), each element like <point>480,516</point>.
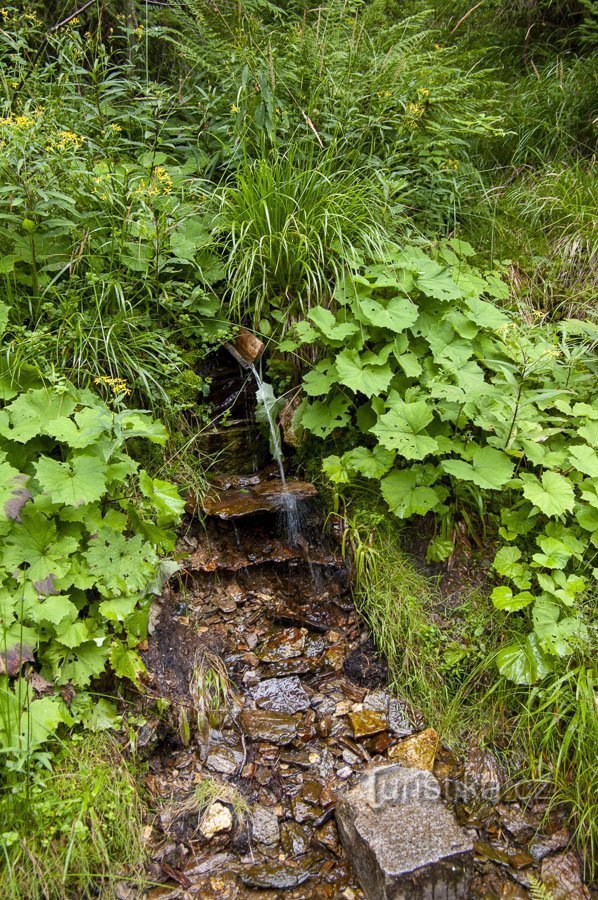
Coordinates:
<point>216,820</point>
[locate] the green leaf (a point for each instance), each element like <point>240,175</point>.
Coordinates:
<point>487,315</point>
<point>395,315</point>
<point>401,429</point>
<point>321,378</point>
<point>36,544</point>
<point>589,431</point>
<point>139,424</point>
<point>585,459</point>
<point>81,481</point>
<point>560,637</point>
<point>523,661</point>
<point>436,281</point>
<point>367,379</point>
<point>126,663</point>
<point>34,411</point>
<point>86,428</point>
<point>369,463</point>
<point>503,598</point>
<point>330,328</point>
<point>405,497</point>
<point>489,468</point>
<point>164,497</point>
<point>506,562</point>
<point>323,418</point>
<point>553,495</point>
<point>53,609</point>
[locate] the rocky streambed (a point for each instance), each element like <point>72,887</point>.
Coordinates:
<point>265,702</point>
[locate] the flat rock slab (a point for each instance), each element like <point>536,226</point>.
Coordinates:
<point>281,695</point>
<point>268,496</point>
<point>402,841</point>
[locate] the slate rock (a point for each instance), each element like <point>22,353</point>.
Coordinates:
<point>266,725</point>
<point>276,875</point>
<point>401,839</point>
<point>265,826</point>
<point>418,751</point>
<point>281,695</point>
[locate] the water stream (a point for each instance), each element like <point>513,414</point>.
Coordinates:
<point>289,505</point>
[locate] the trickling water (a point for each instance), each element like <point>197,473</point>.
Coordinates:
<point>289,505</point>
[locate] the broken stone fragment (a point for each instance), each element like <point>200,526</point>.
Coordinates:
<point>224,760</point>
<point>279,875</point>
<point>366,722</point>
<point>281,695</point>
<point>265,826</point>
<point>401,839</point>
<point>418,751</point>
<point>217,819</point>
<point>266,725</point>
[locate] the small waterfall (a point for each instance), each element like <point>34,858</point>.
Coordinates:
<point>289,505</point>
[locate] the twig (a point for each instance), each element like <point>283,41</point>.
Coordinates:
<point>467,15</point>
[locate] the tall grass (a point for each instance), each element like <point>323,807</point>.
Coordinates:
<point>286,221</point>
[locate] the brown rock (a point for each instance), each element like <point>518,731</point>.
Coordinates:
<point>561,874</point>
<point>418,751</point>
<point>367,722</point>
<point>266,725</point>
<point>246,348</point>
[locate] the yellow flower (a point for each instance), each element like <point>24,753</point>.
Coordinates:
<point>116,385</point>
<point>234,108</point>
<point>163,179</point>
<point>424,92</point>
<point>66,140</point>
<point>5,14</point>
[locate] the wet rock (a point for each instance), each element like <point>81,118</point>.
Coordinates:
<point>217,819</point>
<point>401,839</point>
<point>519,824</point>
<point>266,725</point>
<point>367,722</point>
<point>399,721</point>
<point>294,839</point>
<point>269,496</point>
<point>546,844</point>
<point>246,347</point>
<point>278,876</point>
<point>327,837</point>
<point>265,826</point>
<point>561,874</point>
<point>484,777</point>
<point>514,860</point>
<point>281,695</point>
<point>418,751</point>
<point>303,811</point>
<point>284,644</point>
<point>224,760</point>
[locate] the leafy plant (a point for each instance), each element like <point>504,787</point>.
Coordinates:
<point>441,390</point>
<point>82,528</point>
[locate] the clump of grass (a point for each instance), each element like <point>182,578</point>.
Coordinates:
<point>211,690</point>
<point>285,223</point>
<point>208,791</point>
<point>73,831</point>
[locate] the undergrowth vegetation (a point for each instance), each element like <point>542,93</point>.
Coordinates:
<point>402,198</point>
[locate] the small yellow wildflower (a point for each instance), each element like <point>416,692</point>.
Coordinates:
<point>424,92</point>
<point>452,164</point>
<point>5,14</point>
<point>234,108</point>
<point>163,179</point>
<point>115,385</point>
<point>66,140</point>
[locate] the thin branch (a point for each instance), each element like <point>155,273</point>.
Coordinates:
<point>467,15</point>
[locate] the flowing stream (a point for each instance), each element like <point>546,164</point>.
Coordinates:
<point>289,505</point>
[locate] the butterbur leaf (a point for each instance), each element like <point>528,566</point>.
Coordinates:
<point>82,430</point>
<point>506,562</point>
<point>32,412</point>
<point>402,428</point>
<point>523,661</point>
<point>13,494</point>
<point>489,468</point>
<point>164,496</point>
<point>322,418</point>
<point>330,328</point>
<point>394,315</point>
<point>139,424</point>
<point>585,459</point>
<point>83,480</point>
<point>503,598</point>
<point>365,379</point>
<point>405,497</point>
<point>321,378</point>
<point>557,636</point>
<point>436,281</point>
<point>553,495</point>
<point>369,463</point>
<point>126,663</point>
<point>487,315</point>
